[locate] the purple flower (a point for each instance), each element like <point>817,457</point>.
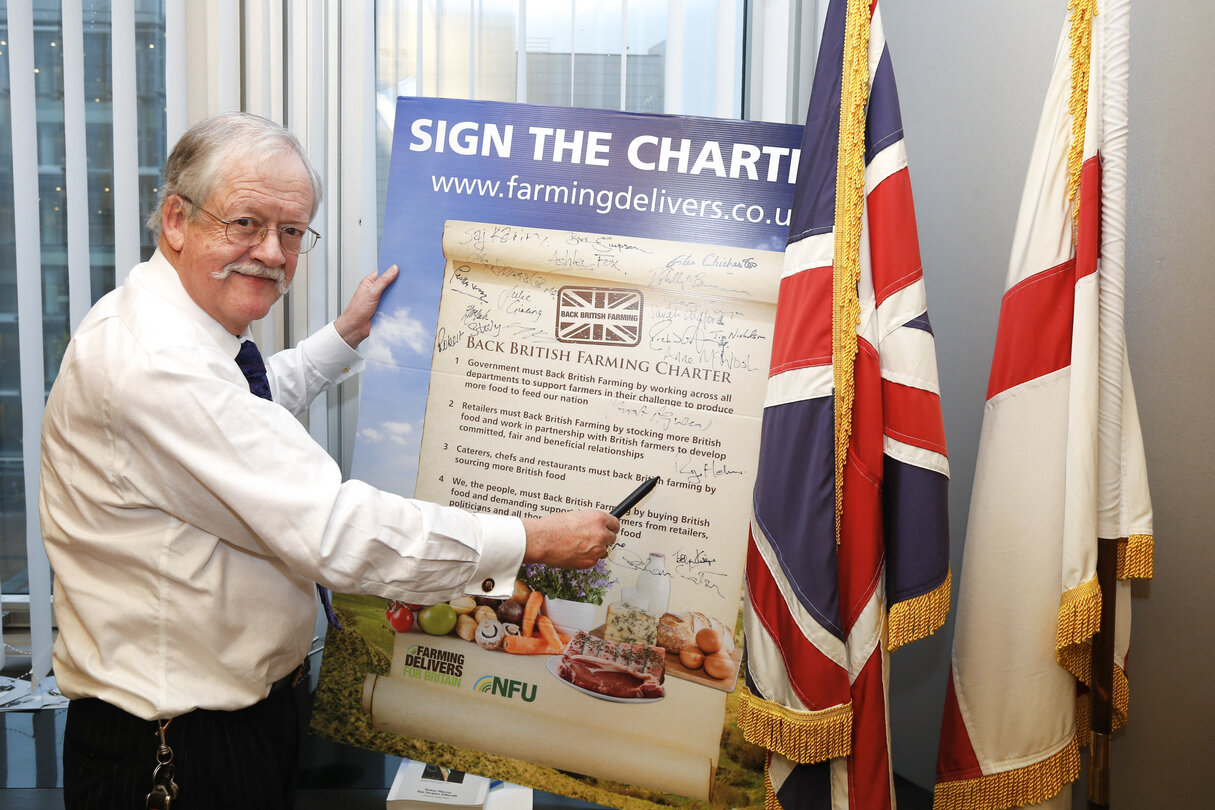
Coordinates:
<point>579,585</point>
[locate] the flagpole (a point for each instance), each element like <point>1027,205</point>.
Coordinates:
<point>1112,84</point>
<point>1101,695</point>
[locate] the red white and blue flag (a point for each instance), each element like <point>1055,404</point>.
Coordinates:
<point>826,602</point>
<point>1061,460</point>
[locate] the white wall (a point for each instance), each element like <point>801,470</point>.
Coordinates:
<point>971,79</point>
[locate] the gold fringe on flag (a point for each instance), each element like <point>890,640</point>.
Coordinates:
<point>1080,51</point>
<point>770,800</point>
<point>914,619</point>
<point>1079,616</point>
<point>1032,784</point>
<point>1122,700</point>
<point>849,206</point>
<point>1084,731</point>
<point>1079,662</point>
<point>1122,697</point>
<point>799,736</point>
<point>1079,620</point>
<point>1135,557</point>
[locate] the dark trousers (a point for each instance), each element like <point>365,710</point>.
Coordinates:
<point>231,760</point>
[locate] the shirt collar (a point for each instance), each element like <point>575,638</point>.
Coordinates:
<point>159,275</point>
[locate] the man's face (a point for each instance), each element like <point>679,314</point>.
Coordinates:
<point>275,192</point>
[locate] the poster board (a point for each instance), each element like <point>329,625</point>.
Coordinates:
<point>549,354</point>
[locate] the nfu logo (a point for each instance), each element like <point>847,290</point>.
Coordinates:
<point>506,687</point>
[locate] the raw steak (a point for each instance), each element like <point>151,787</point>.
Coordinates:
<point>613,668</point>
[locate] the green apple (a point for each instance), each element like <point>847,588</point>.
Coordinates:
<point>438,620</point>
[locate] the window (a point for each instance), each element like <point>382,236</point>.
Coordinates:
<point>71,87</point>
<point>610,54</point>
<point>89,135</point>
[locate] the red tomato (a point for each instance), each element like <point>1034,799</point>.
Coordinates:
<point>399,616</point>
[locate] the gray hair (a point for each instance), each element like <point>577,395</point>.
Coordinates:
<point>197,164</point>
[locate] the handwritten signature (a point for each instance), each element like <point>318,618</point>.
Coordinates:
<point>664,417</point>
<point>698,576</point>
<point>462,284</point>
<point>690,280</point>
<point>476,319</point>
<point>479,236</point>
<point>444,341</point>
<point>603,243</point>
<point>695,472</point>
<point>704,343</point>
<point>518,301</point>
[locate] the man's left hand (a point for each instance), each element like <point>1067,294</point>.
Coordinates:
<point>354,325</point>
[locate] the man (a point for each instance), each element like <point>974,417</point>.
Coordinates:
<point>187,517</point>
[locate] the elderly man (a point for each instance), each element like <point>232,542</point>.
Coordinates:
<point>188,514</point>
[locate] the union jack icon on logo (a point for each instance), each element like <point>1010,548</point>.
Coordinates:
<point>608,316</point>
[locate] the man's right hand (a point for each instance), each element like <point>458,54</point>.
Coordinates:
<point>354,324</point>
<point>570,539</point>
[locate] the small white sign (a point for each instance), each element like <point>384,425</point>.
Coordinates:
<point>418,785</point>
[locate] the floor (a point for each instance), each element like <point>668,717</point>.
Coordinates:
<point>333,775</point>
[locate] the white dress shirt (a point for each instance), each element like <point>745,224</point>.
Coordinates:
<point>187,519</point>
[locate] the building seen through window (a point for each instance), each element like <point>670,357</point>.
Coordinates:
<point>565,53</point>
<point>53,193</point>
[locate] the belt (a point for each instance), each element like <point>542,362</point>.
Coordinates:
<point>292,678</point>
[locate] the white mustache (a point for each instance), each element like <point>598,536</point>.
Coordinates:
<point>256,270</point>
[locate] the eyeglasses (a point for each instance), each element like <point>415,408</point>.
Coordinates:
<point>249,232</point>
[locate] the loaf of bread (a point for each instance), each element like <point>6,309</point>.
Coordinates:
<point>678,630</point>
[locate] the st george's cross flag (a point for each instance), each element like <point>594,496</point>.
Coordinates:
<point>848,554</point>
<point>1061,459</point>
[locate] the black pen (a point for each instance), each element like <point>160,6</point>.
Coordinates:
<point>635,496</point>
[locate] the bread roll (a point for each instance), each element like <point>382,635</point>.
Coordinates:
<point>678,630</point>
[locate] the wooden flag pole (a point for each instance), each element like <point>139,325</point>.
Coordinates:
<point>1101,695</point>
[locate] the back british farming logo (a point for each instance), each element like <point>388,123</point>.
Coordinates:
<point>506,687</point>
<point>608,316</point>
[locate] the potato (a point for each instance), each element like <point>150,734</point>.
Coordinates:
<point>691,657</point>
<point>708,640</point>
<point>719,666</point>
<point>521,592</point>
<point>466,627</point>
<point>463,605</point>
<point>484,612</point>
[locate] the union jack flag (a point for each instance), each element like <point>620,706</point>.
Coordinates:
<point>826,602</point>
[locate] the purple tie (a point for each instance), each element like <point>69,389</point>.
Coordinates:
<point>251,365</point>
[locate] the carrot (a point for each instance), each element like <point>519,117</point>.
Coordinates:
<point>531,609</point>
<point>525,645</point>
<point>549,633</point>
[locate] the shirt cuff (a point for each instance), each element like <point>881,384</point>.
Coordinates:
<point>504,541</point>
<point>331,355</point>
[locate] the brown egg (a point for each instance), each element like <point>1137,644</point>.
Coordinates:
<point>709,640</point>
<point>691,657</point>
<point>719,666</point>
